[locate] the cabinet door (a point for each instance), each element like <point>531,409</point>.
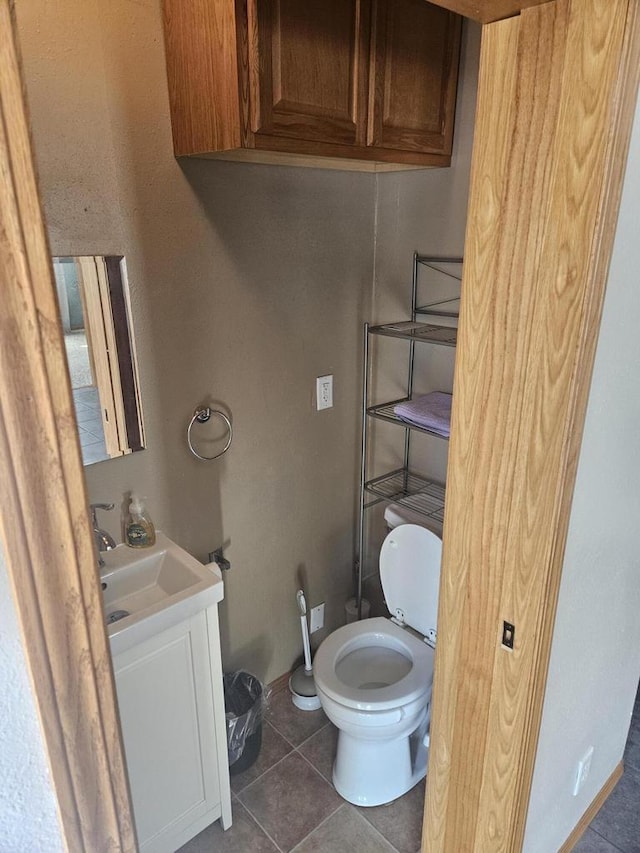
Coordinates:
<point>166,712</point>
<point>414,69</point>
<point>308,69</point>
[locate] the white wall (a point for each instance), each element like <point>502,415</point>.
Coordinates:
<point>595,658</point>
<point>28,809</point>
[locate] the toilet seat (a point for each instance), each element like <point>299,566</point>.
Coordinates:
<point>378,632</point>
<point>410,560</point>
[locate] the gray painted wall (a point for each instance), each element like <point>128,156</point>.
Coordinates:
<point>246,283</point>
<point>595,659</point>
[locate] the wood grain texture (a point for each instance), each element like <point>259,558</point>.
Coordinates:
<point>415,49</point>
<point>98,321</point>
<point>43,516</point>
<point>281,76</point>
<point>598,801</point>
<point>127,363</point>
<point>556,99</point>
<point>202,71</point>
<point>349,152</point>
<point>311,75</point>
<point>487,11</point>
<point>313,161</point>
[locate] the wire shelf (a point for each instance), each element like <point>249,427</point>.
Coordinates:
<point>412,491</point>
<point>442,308</point>
<point>437,264</point>
<point>410,331</point>
<point>385,412</point>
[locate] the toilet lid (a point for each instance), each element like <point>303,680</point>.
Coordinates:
<point>410,575</point>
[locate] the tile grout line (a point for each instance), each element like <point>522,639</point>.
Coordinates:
<point>604,838</point>
<point>376,830</point>
<point>257,822</point>
<point>279,761</point>
<point>268,770</point>
<point>322,822</point>
<point>324,778</point>
<point>273,726</point>
<point>307,739</point>
<point>275,764</point>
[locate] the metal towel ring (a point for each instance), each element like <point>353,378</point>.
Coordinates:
<point>202,416</point>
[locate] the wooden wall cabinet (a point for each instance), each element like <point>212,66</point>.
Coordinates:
<point>360,84</point>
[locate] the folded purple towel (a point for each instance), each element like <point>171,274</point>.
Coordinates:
<point>433,412</point>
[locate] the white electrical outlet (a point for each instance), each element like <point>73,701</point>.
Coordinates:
<point>584,765</point>
<point>317,618</point>
<point>324,392</point>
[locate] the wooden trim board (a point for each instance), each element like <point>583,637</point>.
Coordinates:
<point>557,95</point>
<point>43,515</point>
<point>487,11</point>
<point>593,810</point>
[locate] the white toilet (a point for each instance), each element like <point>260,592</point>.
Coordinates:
<point>374,677</point>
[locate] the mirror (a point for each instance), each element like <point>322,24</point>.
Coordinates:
<point>96,321</point>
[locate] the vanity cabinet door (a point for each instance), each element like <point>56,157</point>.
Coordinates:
<point>166,711</point>
<point>308,70</point>
<point>415,49</point>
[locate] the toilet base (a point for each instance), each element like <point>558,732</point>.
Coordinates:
<point>374,772</point>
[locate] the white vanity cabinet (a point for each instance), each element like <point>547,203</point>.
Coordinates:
<point>171,704</point>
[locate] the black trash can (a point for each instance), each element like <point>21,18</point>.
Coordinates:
<point>243,701</point>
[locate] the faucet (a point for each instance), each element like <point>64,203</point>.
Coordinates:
<point>104,540</point>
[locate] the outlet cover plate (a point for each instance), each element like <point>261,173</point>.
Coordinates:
<point>324,392</point>
<point>317,618</point>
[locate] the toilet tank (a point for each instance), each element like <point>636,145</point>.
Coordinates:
<point>396,514</point>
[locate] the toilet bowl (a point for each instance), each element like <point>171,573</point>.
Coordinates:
<point>374,677</point>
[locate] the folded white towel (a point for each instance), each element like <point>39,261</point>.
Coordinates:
<point>432,412</point>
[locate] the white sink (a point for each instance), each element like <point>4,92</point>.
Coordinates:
<point>157,587</point>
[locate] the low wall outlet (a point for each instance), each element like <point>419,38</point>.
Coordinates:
<point>582,771</point>
<point>317,618</point>
<point>324,392</point>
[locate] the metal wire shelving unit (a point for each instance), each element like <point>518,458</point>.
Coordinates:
<point>402,486</point>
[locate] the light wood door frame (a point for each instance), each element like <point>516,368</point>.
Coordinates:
<point>471,805</point>
<point>43,514</point>
<point>557,95</point>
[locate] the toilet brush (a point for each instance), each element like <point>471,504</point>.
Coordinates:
<point>301,682</point>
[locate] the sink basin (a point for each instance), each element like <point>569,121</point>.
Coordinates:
<point>149,589</point>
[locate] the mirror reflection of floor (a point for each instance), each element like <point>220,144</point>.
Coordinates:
<point>75,343</point>
<point>90,429</point>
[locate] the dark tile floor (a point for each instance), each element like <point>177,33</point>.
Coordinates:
<point>616,827</point>
<point>286,801</point>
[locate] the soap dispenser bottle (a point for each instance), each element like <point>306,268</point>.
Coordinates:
<point>139,529</point>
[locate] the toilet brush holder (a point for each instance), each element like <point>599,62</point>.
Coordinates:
<point>301,683</point>
<point>303,689</point>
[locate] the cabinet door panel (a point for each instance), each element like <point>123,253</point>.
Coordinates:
<point>414,64</point>
<point>311,79</point>
<point>168,731</point>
